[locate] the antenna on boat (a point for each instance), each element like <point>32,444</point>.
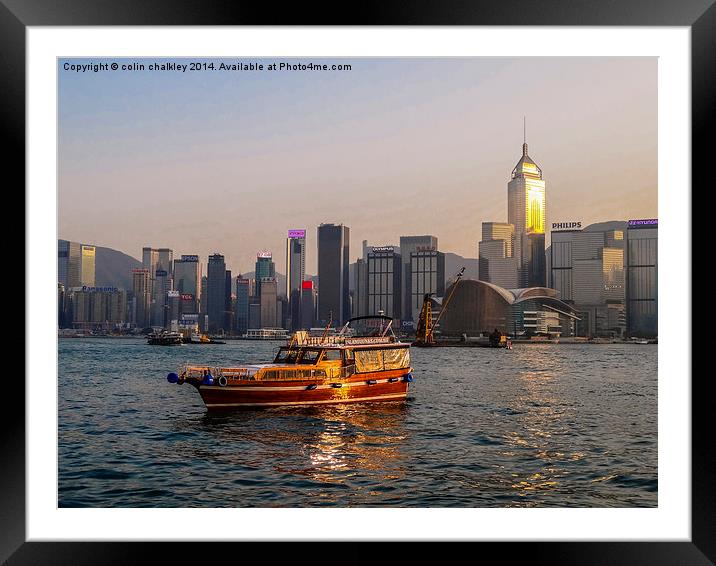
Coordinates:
<point>325,331</point>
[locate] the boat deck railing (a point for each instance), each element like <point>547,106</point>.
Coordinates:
<point>270,374</point>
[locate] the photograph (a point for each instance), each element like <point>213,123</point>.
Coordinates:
<point>351,282</point>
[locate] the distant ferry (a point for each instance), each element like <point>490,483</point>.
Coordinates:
<point>165,338</point>
<point>266,334</point>
<point>312,370</point>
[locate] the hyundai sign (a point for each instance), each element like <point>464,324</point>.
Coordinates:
<point>296,233</point>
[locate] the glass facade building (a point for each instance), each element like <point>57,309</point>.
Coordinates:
<point>141,290</point>
<point>496,262</point>
<point>187,280</point>
<point>333,273</point>
<point>243,293</point>
<point>295,274</point>
<point>642,278</point>
<point>384,271</point>
<point>427,276</point>
<point>408,245</point>
<point>69,261</point>
<point>216,293</point>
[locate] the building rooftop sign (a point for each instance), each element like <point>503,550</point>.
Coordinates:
<point>572,225</point>
<point>264,254</point>
<point>644,223</point>
<point>190,258</point>
<point>296,233</point>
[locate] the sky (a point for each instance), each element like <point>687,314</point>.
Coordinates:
<point>228,161</point>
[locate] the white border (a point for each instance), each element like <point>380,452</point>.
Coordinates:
<point>670,521</point>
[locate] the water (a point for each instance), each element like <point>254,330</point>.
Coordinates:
<point>540,425</point>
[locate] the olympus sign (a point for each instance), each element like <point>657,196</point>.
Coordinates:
<point>566,225</point>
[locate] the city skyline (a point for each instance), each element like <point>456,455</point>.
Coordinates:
<point>419,146</point>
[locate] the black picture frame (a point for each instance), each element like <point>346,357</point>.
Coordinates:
<point>699,15</point>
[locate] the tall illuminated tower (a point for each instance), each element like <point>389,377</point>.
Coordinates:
<point>526,211</point>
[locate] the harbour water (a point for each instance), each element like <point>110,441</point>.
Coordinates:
<point>536,426</point>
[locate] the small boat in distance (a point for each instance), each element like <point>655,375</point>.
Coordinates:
<point>312,370</point>
<point>201,339</point>
<point>165,338</point>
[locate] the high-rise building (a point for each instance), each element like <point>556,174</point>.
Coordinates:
<point>61,321</point>
<point>587,271</point>
<point>243,292</point>
<point>98,307</point>
<point>385,270</point>
<point>427,273</point>
<point>269,298</point>
<point>642,259</point>
<point>526,211</point>
<point>141,289</point>
<point>496,263</point>
<point>87,269</point>
<point>333,270</point>
<point>295,274</point>
<point>408,245</point>
<point>161,286</point>
<point>265,268</point>
<point>69,264</point>
<point>187,280</point>
<point>308,305</point>
<point>360,294</point>
<point>216,293</point>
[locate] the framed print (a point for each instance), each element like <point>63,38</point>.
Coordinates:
<point>393,279</point>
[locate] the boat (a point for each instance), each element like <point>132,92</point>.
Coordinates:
<point>165,338</point>
<point>201,339</point>
<point>312,370</point>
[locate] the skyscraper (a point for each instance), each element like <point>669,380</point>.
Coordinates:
<point>642,278</point>
<point>87,265</point>
<point>243,291</point>
<point>295,273</point>
<point>333,268</point>
<point>269,299</point>
<point>408,245</point>
<point>497,263</point>
<point>265,268</point>
<point>141,289</point>
<point>384,282</point>
<point>216,293</point>
<point>69,262</point>
<point>526,211</point>
<point>187,280</point>
<point>427,274</point>
<point>308,305</point>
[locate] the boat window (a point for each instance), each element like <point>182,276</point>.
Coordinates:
<point>286,355</point>
<point>378,360</point>
<point>310,356</point>
<point>369,360</point>
<point>332,355</point>
<point>396,358</point>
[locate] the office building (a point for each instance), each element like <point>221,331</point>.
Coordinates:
<point>427,276</point>
<point>187,280</point>
<point>141,291</point>
<point>87,269</point>
<point>268,301</point>
<point>526,211</point>
<point>496,263</point>
<point>265,269</point>
<point>360,294</point>
<point>385,268</point>
<point>216,293</point>
<point>243,293</point>
<point>98,308</point>
<point>309,299</point>
<point>69,262</point>
<point>161,286</point>
<point>295,274</point>
<point>642,278</point>
<point>333,285</point>
<point>408,245</point>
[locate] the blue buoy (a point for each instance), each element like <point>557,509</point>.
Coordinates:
<point>172,377</point>
<point>408,377</point>
<point>312,387</point>
<point>336,385</point>
<point>208,379</point>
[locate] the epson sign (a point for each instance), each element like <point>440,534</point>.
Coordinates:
<point>566,225</point>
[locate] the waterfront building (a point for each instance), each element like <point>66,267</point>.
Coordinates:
<point>98,308</point>
<point>309,300</point>
<point>295,274</point>
<point>478,307</point>
<point>360,293</point>
<point>162,285</point>
<point>497,263</point>
<point>216,293</point>
<point>88,265</point>
<point>61,306</point>
<point>187,280</point>
<point>203,316</point>
<point>141,290</point>
<point>243,291</point>
<point>587,271</point>
<point>642,278</point>
<point>254,315</point>
<point>333,272</point>
<point>526,211</point>
<point>427,276</point>
<point>268,301</point>
<point>265,269</point>
<point>384,268</point>
<point>408,245</point>
<point>69,262</point>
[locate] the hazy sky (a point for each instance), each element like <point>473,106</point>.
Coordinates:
<point>228,161</point>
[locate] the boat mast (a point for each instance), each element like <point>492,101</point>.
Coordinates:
<point>325,331</point>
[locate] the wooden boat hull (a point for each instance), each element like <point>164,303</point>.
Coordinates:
<point>383,386</point>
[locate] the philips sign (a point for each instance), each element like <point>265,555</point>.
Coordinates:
<point>566,225</point>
